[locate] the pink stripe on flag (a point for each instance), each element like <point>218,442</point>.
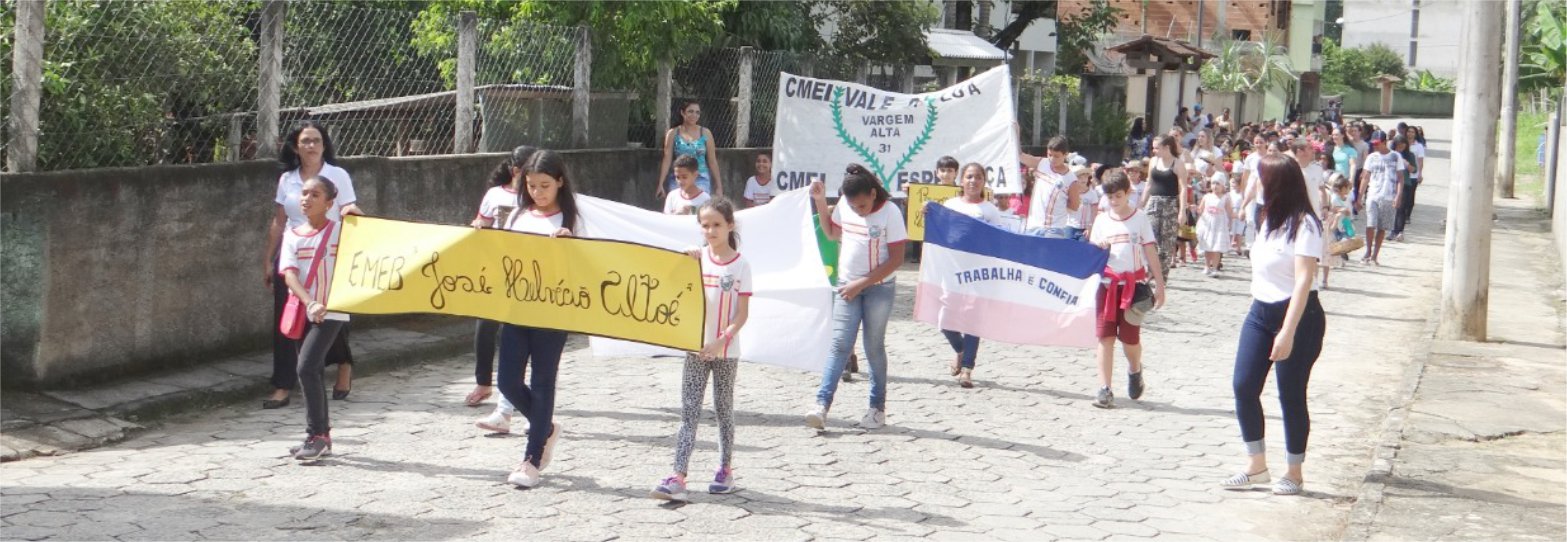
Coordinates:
<point>1003,321</point>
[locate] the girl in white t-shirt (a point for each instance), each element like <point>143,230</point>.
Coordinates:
<point>307,152</point>
<point>1213,224</point>
<point>760,188</point>
<point>547,207</point>
<point>972,202</point>
<point>1128,234</point>
<point>495,210</point>
<point>1284,329</point>
<point>727,289</point>
<point>1235,196</point>
<point>308,256</point>
<point>872,236</point>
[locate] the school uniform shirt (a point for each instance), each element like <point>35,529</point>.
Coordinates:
<point>532,221</point>
<point>1049,206</point>
<point>1362,151</point>
<point>1127,237</point>
<point>1385,174</point>
<point>723,284</point>
<point>867,240</point>
<point>301,247</point>
<point>1252,162</point>
<point>1315,175</point>
<point>1087,208</point>
<point>1273,259</point>
<point>1419,151</point>
<point>676,203</point>
<point>985,211</point>
<point>759,193</point>
<point>290,186</point>
<point>497,205</point>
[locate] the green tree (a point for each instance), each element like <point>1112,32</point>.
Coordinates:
<point>1241,66</point>
<point>1544,48</point>
<point>137,83</point>
<point>1357,68</point>
<point>882,32</point>
<point>1077,33</point>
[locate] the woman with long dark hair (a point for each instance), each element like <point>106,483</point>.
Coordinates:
<point>688,138</point>
<point>1284,329</point>
<point>1167,197</point>
<point>306,152</point>
<point>546,206</point>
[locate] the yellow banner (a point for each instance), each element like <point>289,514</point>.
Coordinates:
<point>596,287</point>
<point>918,195</point>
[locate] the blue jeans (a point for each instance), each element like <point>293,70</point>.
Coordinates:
<point>968,345</point>
<point>1251,373</point>
<point>1074,234</point>
<point>874,307</point>
<point>542,347</point>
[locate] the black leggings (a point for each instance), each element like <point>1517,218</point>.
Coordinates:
<point>1406,207</point>
<point>484,351</point>
<point>285,351</point>
<point>315,347</point>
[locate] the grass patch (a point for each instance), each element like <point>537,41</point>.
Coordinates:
<point>1528,174</point>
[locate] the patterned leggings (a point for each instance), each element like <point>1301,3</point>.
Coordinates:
<point>1163,212</point>
<point>692,391</point>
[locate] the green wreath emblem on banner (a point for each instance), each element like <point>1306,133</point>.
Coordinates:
<point>871,160</point>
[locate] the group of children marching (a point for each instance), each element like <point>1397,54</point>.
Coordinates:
<point>531,192</point>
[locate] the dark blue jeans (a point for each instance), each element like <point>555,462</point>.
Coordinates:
<point>536,400</point>
<point>968,345</point>
<point>1251,372</point>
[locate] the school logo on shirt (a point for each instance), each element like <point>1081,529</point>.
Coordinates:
<point>726,283</point>
<point>875,232</point>
<point>503,215</point>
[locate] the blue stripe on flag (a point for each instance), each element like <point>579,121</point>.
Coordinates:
<point>957,231</point>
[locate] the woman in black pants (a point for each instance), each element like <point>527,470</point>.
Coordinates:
<point>1284,329</point>
<point>306,153</point>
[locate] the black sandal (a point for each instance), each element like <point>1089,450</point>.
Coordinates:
<point>273,404</point>
<point>340,395</point>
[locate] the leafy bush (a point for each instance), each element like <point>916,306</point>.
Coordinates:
<point>1358,67</point>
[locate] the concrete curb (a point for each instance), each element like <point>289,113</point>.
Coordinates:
<point>1362,516</point>
<point>54,422</point>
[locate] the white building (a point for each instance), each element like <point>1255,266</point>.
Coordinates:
<point>1423,32</point>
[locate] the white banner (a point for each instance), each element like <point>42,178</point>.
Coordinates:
<point>824,125</point>
<point>791,309</point>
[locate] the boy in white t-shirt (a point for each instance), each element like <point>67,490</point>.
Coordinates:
<point>1128,235</point>
<point>759,189</point>
<point>688,197</point>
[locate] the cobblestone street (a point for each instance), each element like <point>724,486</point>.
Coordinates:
<point>1022,456</point>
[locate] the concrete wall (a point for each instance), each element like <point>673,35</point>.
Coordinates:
<point>1411,103</point>
<point>114,271</point>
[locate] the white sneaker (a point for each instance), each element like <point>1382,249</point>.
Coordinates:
<point>817,418</point>
<point>525,475</point>
<point>499,421</point>
<point>874,419</point>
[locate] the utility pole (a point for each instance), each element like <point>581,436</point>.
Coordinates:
<point>27,80</point>
<point>1505,148</point>
<point>1466,264</point>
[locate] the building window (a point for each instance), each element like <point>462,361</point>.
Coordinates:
<point>1240,34</point>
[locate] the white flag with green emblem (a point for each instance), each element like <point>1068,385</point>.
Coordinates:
<point>823,125</point>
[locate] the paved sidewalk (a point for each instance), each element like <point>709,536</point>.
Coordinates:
<point>1481,452</point>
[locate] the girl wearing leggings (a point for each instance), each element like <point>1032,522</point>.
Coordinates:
<point>308,255</point>
<point>1284,329</point>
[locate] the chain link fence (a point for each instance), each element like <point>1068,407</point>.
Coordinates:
<point>176,81</point>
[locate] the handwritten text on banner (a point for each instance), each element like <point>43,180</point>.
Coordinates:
<point>596,287</point>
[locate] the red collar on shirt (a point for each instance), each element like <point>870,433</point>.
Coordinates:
<point>713,257</point>
<point>535,212</point>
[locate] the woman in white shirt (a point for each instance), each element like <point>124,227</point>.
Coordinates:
<point>306,153</point>
<point>1284,329</point>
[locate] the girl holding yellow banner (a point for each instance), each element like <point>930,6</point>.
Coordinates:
<point>495,210</point>
<point>548,208</point>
